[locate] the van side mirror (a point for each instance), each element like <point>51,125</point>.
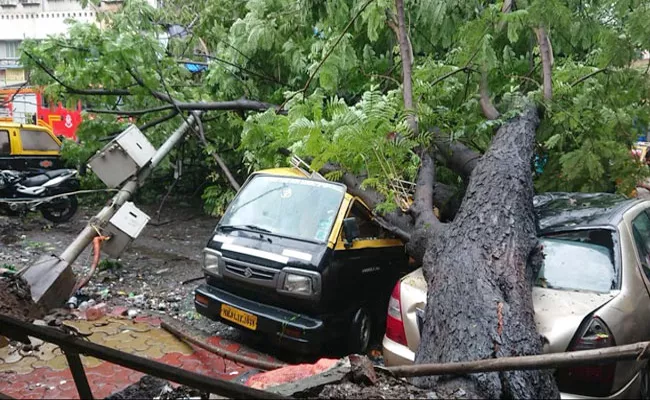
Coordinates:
<point>350,230</point>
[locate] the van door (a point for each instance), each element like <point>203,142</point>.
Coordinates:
<point>369,268</point>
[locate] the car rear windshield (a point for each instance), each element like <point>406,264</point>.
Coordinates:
<point>579,260</point>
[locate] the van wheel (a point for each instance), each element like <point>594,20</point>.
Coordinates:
<point>360,332</point>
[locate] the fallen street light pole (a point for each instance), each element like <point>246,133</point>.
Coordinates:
<point>51,279</point>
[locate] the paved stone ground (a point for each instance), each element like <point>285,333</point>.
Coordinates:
<point>44,373</point>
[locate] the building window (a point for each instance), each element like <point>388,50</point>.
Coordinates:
<point>9,49</point>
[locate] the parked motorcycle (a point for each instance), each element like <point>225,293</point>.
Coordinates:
<point>46,192</point>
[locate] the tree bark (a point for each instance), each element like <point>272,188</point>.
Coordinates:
<point>479,272</point>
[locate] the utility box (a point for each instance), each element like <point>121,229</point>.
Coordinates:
<point>122,157</point>
<point>123,228</point>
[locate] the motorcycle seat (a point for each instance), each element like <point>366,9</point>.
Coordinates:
<point>56,172</point>
<point>36,180</point>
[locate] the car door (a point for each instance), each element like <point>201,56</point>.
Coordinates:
<point>633,325</point>
<point>641,234</point>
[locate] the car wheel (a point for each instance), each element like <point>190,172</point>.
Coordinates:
<point>360,332</point>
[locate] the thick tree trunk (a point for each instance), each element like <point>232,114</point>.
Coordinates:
<point>479,270</point>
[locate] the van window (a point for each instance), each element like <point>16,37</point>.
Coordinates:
<point>5,148</point>
<point>367,228</point>
<point>37,141</point>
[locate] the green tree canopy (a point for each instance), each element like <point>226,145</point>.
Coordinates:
<point>333,71</point>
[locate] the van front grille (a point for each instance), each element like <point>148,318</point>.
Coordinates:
<point>246,271</point>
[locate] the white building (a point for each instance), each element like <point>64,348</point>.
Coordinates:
<point>36,19</point>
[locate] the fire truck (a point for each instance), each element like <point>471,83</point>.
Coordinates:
<point>28,105</point>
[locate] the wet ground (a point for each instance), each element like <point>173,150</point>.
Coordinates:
<point>148,278</point>
<point>149,274</point>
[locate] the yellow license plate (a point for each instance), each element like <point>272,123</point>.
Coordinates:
<point>239,317</point>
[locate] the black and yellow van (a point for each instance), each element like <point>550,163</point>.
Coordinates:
<point>300,260</point>
<point>27,147</point>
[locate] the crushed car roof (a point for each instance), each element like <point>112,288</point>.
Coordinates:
<point>559,210</point>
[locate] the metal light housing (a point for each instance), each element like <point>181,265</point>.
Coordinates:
<point>213,263</point>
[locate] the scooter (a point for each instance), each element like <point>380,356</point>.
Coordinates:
<point>46,192</point>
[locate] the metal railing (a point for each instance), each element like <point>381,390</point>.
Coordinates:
<point>73,346</point>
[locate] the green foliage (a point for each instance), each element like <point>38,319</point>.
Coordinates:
<point>352,111</point>
<point>216,199</point>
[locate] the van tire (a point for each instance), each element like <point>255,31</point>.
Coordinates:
<point>360,332</point>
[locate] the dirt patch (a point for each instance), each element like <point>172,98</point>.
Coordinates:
<point>8,230</point>
<point>16,300</point>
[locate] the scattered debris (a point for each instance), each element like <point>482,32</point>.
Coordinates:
<point>386,387</point>
<point>149,387</point>
<point>363,371</point>
<point>16,300</point>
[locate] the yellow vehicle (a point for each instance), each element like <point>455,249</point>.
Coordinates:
<point>27,147</point>
<point>298,259</point>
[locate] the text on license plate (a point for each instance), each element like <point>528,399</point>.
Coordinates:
<point>239,317</point>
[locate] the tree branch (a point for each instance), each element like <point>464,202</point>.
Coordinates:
<point>11,98</point>
<point>407,62</point>
<point>546,55</point>
<point>72,90</point>
<point>458,157</point>
<point>487,107</point>
<point>230,105</point>
<point>158,121</point>
<point>130,112</point>
<point>589,75</point>
<point>422,209</point>
<point>395,28</point>
<point>231,179</point>
<point>330,51</point>
<point>450,74</point>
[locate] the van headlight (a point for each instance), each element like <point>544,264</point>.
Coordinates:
<point>213,263</point>
<point>297,284</point>
<point>300,282</point>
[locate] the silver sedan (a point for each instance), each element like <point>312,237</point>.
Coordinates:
<point>592,292</point>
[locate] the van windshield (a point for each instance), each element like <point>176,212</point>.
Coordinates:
<point>579,260</point>
<point>292,207</point>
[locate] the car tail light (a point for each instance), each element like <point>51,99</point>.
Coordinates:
<point>394,324</point>
<point>595,379</point>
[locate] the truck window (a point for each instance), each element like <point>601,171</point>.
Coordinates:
<point>367,228</point>
<point>37,141</point>
<point>5,148</point>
